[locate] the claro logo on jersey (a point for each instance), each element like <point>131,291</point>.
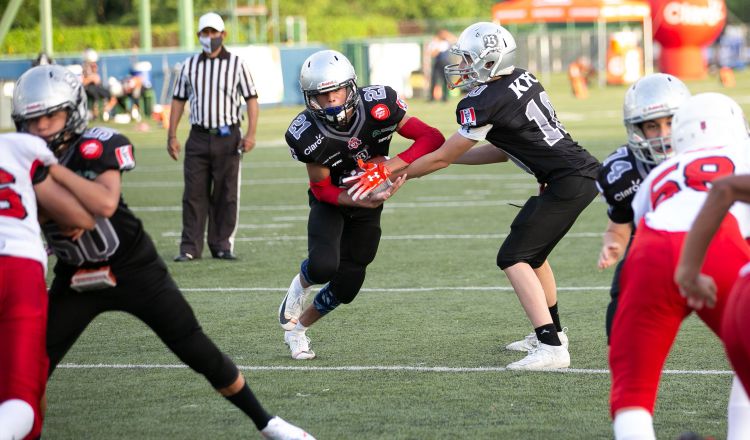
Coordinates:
<point>380,112</point>
<point>91,149</point>
<point>468,117</point>
<point>310,148</point>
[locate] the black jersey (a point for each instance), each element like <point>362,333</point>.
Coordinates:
<point>618,181</point>
<point>118,241</point>
<point>514,113</point>
<point>376,118</point>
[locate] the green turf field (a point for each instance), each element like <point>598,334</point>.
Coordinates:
<point>419,354</point>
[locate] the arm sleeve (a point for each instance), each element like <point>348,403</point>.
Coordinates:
<point>246,83</point>
<point>426,139</point>
<point>181,86</point>
<point>325,191</point>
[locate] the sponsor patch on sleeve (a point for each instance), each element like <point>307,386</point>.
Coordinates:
<point>401,103</point>
<point>380,112</point>
<point>125,157</point>
<point>91,149</point>
<point>468,117</point>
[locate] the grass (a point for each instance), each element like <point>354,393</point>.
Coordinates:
<point>432,298</point>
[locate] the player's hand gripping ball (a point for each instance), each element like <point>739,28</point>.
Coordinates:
<point>372,180</point>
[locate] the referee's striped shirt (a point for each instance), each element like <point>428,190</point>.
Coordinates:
<point>216,87</point>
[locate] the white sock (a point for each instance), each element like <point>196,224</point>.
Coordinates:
<point>634,424</point>
<point>738,412</point>
<point>16,419</point>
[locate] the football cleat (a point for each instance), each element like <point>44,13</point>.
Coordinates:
<point>292,304</point>
<point>280,429</point>
<point>543,357</point>
<point>299,345</point>
<point>530,342</point>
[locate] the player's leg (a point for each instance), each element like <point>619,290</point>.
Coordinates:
<point>542,223</point>
<point>325,225</point>
<point>358,246</point>
<point>162,307</point>
<point>23,358</point>
<point>648,317</point>
<point>734,336</point>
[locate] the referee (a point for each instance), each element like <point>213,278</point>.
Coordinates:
<point>216,83</point>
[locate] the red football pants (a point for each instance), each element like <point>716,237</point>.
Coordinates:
<point>23,327</point>
<point>733,330</point>
<point>651,308</point>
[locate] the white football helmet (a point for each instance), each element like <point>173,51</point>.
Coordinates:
<point>487,50</point>
<point>654,96</point>
<point>326,71</point>
<point>708,120</point>
<point>43,90</point>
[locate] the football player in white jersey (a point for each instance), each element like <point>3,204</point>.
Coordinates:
<point>27,193</point>
<point>710,138</point>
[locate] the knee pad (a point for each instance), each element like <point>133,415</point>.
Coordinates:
<point>16,419</point>
<point>320,271</point>
<point>324,301</point>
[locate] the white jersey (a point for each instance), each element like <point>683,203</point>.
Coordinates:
<point>673,193</point>
<point>20,155</point>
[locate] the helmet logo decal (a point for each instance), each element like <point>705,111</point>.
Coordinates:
<point>491,40</point>
<point>91,149</point>
<point>380,112</point>
<point>354,143</point>
<point>703,126</point>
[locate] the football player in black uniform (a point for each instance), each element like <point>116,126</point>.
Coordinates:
<point>508,107</point>
<point>647,113</point>
<point>115,266</point>
<point>343,124</point>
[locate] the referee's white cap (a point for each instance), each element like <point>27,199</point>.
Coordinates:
<point>211,20</point>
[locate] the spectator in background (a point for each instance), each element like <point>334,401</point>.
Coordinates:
<point>579,75</point>
<point>439,49</point>
<point>216,83</point>
<point>96,92</point>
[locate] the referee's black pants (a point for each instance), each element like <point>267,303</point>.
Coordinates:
<point>149,293</point>
<point>212,191</point>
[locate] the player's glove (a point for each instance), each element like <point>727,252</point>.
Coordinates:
<point>372,180</point>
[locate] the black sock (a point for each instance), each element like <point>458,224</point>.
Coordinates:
<point>555,317</point>
<point>246,401</point>
<point>547,335</point>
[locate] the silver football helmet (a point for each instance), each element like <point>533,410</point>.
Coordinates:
<point>708,120</point>
<point>326,71</point>
<point>43,90</point>
<point>487,50</point>
<point>654,96</point>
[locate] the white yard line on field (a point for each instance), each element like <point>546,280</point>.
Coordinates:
<point>375,368</point>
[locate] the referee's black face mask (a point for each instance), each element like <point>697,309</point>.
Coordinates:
<point>211,44</point>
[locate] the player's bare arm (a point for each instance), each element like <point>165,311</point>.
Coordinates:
<point>451,150</point>
<point>57,204</point>
<point>100,196</point>
<point>614,242</point>
<point>696,287</point>
<point>482,155</point>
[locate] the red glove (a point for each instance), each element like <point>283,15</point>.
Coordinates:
<point>372,180</point>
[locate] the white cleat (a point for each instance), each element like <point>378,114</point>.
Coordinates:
<point>299,344</point>
<point>280,429</point>
<point>292,304</point>
<point>543,357</point>
<point>530,342</point>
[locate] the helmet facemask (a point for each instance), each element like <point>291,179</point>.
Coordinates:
<point>338,116</point>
